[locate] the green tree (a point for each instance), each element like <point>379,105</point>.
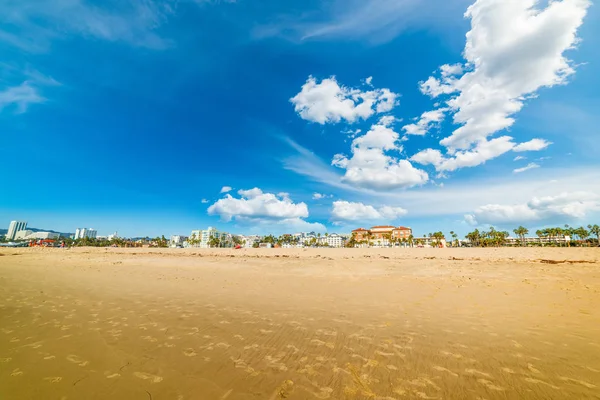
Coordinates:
<point>521,232</point>
<point>595,230</point>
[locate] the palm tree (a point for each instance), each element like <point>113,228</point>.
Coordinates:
<point>595,230</point>
<point>521,232</point>
<point>411,240</point>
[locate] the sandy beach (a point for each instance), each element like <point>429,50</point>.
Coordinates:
<point>178,324</point>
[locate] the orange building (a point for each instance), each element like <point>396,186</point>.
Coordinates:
<point>382,232</point>
<point>361,234</point>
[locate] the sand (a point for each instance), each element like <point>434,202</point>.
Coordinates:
<point>300,324</point>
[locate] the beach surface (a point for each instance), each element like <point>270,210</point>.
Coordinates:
<point>381,324</point>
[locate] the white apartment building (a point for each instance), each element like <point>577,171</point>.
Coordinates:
<point>177,240</point>
<point>30,235</point>
<point>81,233</point>
<point>207,234</point>
<point>333,240</point>
<point>14,227</point>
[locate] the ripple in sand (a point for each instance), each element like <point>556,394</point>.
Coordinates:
<point>577,381</point>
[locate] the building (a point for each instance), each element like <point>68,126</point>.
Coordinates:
<point>204,237</point>
<point>400,233</point>
<point>382,235</point>
<point>30,235</point>
<point>14,227</point>
<point>177,240</point>
<point>361,234</point>
<point>560,240</point>
<point>333,240</point>
<point>81,233</point>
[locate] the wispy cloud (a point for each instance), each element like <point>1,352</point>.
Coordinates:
<point>377,21</point>
<point>21,96</point>
<point>526,168</point>
<point>34,25</point>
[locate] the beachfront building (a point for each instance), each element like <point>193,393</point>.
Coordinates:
<point>545,240</point>
<point>333,240</point>
<point>203,237</point>
<point>382,235</point>
<point>177,240</point>
<point>89,233</point>
<point>249,241</point>
<point>429,242</point>
<point>14,227</point>
<point>31,235</point>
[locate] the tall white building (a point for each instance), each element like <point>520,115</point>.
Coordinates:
<point>81,233</point>
<point>14,227</point>
<point>207,234</point>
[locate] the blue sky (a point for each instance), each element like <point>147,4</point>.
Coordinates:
<point>132,116</point>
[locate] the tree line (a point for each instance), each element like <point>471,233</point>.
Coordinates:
<point>555,236</point>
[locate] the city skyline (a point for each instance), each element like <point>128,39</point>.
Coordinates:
<point>342,118</point>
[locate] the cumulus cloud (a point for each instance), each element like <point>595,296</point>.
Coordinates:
<point>226,189</point>
<point>348,211</point>
<point>565,205</point>
<point>254,204</point>
<point>483,151</point>
<point>532,145</point>
<point>329,102</point>
<point>372,167</point>
<point>514,48</point>
<point>428,121</point>
<point>526,168</point>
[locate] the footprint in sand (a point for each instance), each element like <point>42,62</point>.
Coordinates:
<point>16,372</point>
<point>5,360</point>
<point>53,379</point>
<point>77,360</point>
<point>148,377</point>
<point>190,353</point>
<point>49,357</point>
<point>108,375</point>
<point>507,370</point>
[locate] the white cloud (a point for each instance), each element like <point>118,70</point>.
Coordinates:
<point>375,21</point>
<point>21,97</point>
<point>320,196</point>
<point>470,219</point>
<point>348,211</point>
<point>428,121</point>
<point>518,158</point>
<point>532,145</point>
<point>371,168</point>
<point>565,205</point>
<point>226,189</point>
<point>35,26</point>
<point>526,168</point>
<point>328,102</point>
<point>254,204</point>
<point>513,49</point>
<point>484,150</point>
<point>428,157</point>
<point>205,201</point>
